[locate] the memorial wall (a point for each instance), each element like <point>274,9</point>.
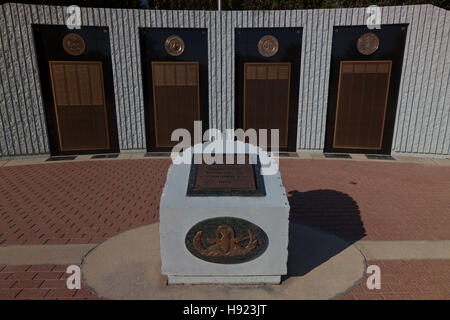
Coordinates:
<point>413,118</point>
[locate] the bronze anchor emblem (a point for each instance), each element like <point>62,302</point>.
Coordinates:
<point>225,244</point>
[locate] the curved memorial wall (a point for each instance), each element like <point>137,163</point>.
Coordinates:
<point>411,80</point>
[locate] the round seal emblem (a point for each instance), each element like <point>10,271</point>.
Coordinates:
<point>368,43</point>
<point>74,44</point>
<point>268,46</point>
<point>226,240</point>
<point>174,45</point>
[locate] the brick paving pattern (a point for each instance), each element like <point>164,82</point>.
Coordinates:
<point>88,202</point>
<point>39,282</point>
<point>407,280</point>
<point>370,200</point>
<point>411,280</point>
<point>79,202</point>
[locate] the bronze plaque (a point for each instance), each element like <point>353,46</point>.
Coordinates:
<point>268,46</point>
<point>225,179</point>
<point>266,98</point>
<point>226,240</point>
<point>361,106</point>
<point>79,105</point>
<point>176,98</point>
<point>74,44</point>
<point>174,45</point>
<point>368,43</point>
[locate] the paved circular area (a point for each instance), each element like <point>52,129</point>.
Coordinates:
<point>128,266</point>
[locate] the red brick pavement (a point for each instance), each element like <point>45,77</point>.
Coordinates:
<point>411,280</point>
<point>39,282</point>
<point>79,202</point>
<point>88,202</point>
<point>370,200</point>
<point>407,280</point>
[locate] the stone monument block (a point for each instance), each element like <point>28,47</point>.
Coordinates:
<point>223,223</point>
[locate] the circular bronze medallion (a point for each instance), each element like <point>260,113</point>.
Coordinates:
<point>368,43</point>
<point>268,46</point>
<point>74,44</point>
<point>174,45</point>
<point>226,240</point>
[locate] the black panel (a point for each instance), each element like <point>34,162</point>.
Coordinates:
<point>246,50</point>
<point>157,155</point>
<point>152,49</point>
<point>337,156</point>
<point>392,43</point>
<point>288,154</point>
<point>48,42</point>
<point>61,158</point>
<point>379,157</point>
<point>105,156</point>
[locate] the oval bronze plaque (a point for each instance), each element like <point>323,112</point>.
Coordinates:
<point>174,45</point>
<point>74,44</point>
<point>268,46</point>
<point>226,240</point>
<point>368,43</point>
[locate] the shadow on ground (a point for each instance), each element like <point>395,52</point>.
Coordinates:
<point>330,211</point>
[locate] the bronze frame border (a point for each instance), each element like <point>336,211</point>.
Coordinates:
<point>288,101</point>
<point>385,103</point>
<point>52,62</point>
<point>260,190</point>
<point>154,95</point>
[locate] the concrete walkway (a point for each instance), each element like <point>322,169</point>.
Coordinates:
<point>42,159</point>
<point>128,266</point>
<point>372,250</point>
<point>46,254</point>
<point>405,250</point>
<point>321,266</point>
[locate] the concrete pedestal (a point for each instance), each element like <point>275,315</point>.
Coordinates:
<point>228,280</point>
<point>179,213</point>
